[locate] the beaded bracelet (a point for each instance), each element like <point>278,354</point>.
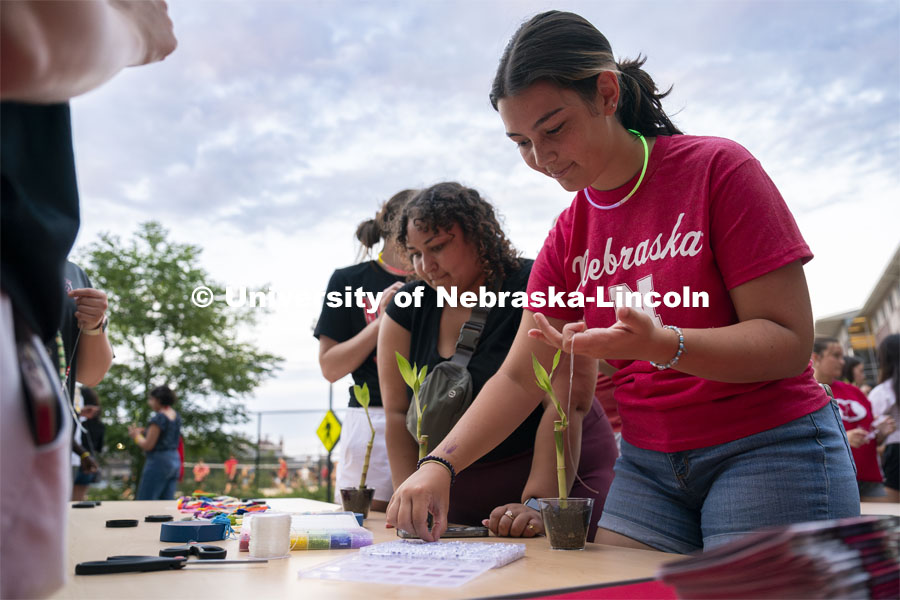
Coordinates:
<point>440,461</point>
<point>678,354</point>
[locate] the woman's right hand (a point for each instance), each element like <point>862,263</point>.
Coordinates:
<point>425,491</point>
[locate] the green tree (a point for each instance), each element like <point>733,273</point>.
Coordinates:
<point>161,338</point>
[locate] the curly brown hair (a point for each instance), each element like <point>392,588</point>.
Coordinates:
<point>442,205</point>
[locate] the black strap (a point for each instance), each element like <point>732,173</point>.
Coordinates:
<point>469,334</point>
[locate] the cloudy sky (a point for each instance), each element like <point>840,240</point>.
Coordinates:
<point>276,127</point>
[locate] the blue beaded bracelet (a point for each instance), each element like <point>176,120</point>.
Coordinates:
<point>438,459</point>
<point>678,354</point>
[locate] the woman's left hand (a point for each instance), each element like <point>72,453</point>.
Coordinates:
<point>515,520</point>
<point>632,337</point>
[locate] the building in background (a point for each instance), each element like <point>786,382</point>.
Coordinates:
<point>860,331</point>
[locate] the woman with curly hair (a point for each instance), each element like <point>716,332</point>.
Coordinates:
<point>455,240</point>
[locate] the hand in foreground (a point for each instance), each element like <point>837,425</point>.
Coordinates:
<point>631,337</point>
<point>134,430</point>
<point>515,520</point>
<point>151,22</point>
<point>425,491</point>
<point>90,306</point>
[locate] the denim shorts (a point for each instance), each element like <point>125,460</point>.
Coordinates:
<point>79,477</point>
<point>699,499</point>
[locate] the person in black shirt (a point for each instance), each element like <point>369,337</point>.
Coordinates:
<point>455,240</point>
<point>49,53</point>
<point>84,354</point>
<point>90,437</point>
<point>347,331</point>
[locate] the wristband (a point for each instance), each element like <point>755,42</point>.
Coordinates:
<point>98,329</point>
<point>85,454</point>
<point>678,354</point>
<point>441,461</point>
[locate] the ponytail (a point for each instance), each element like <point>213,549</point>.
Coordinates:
<point>368,233</point>
<point>382,226</point>
<point>640,102</point>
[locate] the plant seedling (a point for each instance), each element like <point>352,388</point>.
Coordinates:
<point>362,396</point>
<point>543,380</point>
<point>414,379</point>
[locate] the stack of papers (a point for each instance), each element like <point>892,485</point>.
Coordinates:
<point>847,558</point>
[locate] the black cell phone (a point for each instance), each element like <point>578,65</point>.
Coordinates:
<point>454,531</point>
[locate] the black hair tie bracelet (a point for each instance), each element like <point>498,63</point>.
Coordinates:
<point>439,460</point>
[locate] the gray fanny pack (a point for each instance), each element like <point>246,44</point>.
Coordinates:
<point>446,392</point>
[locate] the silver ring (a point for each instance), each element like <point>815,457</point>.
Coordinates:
<point>509,514</point>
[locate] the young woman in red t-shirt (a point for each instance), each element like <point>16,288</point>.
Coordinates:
<point>724,428</point>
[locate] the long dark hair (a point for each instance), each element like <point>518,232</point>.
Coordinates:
<point>442,205</point>
<point>889,362</point>
<point>565,49</point>
<point>850,363</point>
<point>382,226</point>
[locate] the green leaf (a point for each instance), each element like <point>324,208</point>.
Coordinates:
<point>555,361</point>
<point>362,394</point>
<point>539,371</point>
<point>406,371</point>
<point>422,373</point>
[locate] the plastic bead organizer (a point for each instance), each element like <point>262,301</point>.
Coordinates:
<point>317,531</point>
<point>494,554</point>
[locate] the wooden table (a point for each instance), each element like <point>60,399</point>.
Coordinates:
<point>541,569</point>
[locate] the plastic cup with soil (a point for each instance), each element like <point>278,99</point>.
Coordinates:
<point>357,500</point>
<point>567,521</point>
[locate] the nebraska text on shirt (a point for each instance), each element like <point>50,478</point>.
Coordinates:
<point>690,245</point>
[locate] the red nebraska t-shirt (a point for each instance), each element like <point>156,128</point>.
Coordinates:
<point>706,217</point>
<point>856,411</point>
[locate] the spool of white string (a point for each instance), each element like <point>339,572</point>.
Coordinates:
<point>270,535</point>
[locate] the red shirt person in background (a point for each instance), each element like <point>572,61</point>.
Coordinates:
<point>863,433</point>
<point>201,470</point>
<point>230,472</point>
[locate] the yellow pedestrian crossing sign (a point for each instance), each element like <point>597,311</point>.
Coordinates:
<point>329,430</point>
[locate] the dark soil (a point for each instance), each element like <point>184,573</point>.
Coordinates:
<point>567,527</point>
<point>357,500</point>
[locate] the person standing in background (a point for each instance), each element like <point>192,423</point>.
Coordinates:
<point>864,432</point>
<point>854,373</point>
<point>90,436</point>
<point>160,442</point>
<point>84,354</point>
<point>230,473</point>
<point>49,52</point>
<point>347,337</point>
<point>884,405</point>
<point>201,470</point>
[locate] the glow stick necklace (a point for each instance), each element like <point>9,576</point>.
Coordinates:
<point>587,190</point>
<point>390,269</point>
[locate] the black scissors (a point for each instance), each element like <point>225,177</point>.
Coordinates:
<point>140,564</point>
<point>201,551</point>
